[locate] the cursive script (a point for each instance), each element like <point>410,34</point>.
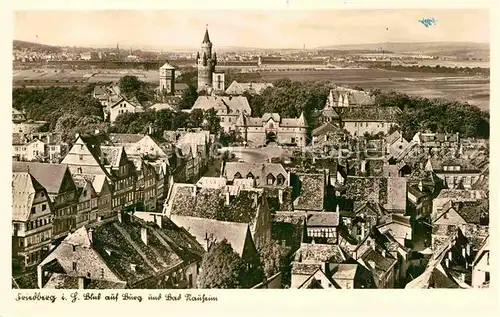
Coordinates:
<point>427,21</point>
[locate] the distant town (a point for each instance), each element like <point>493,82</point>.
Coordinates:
<point>277,169</point>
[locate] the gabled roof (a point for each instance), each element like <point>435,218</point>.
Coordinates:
<point>49,175</point>
<point>167,66</point>
<point>233,105</point>
<point>201,228</point>
<point>237,88</point>
<point>24,189</point>
<point>326,128</point>
<point>121,138</point>
<point>64,281</point>
<point>260,171</point>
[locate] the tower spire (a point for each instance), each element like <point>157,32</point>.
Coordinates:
<point>206,38</point>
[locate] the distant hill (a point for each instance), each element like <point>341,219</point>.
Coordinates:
<point>459,49</point>
<point>34,46</point>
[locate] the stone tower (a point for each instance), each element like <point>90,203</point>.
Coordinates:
<point>167,79</point>
<point>206,64</point>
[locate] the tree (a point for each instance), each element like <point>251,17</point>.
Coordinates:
<point>129,85</point>
<point>221,267</point>
<point>211,121</point>
<point>188,98</point>
<point>273,258</point>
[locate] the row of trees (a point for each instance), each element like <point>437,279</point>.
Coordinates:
<point>437,115</point>
<point>223,268</point>
<point>439,69</point>
<point>162,120</point>
<point>51,103</point>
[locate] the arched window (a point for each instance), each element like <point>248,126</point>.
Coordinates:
<point>270,179</point>
<point>280,179</point>
<point>237,175</point>
<point>250,175</point>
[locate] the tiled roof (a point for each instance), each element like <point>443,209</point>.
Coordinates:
<point>322,219</point>
<point>211,203</point>
<point>462,194</point>
<point>122,138</point>
<point>305,268</point>
<point>319,253</point>
<point>24,188</point>
<point>201,228</point>
<point>112,155</point>
<point>311,191</point>
<point>327,127</point>
<point>63,281</point>
<point>237,104</point>
<point>345,271</point>
<point>370,114</point>
<point>121,247</point>
<point>388,191</point>
<point>471,212</point>
<point>382,264</point>
<point>49,175</point>
<point>236,88</point>
<point>260,171</point>
<point>167,66</point>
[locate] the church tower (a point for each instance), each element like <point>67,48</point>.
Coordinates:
<point>206,62</point>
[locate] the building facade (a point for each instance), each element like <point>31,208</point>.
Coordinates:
<point>271,127</point>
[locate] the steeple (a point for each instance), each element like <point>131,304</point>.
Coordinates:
<point>206,38</point>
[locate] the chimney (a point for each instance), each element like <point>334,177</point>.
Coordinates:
<point>462,277</point>
<point>133,267</point>
<point>280,196</point>
<point>363,166</point>
<point>256,199</point>
<point>144,235</point>
<point>463,252</point>
<point>120,216</point>
<point>91,236</point>
<point>227,198</point>
<point>447,263</point>
<point>194,191</point>
<point>77,135</point>
<point>81,282</point>
<point>383,253</point>
<point>450,255</point>
<point>468,249</point>
<point>96,131</point>
<point>420,186</point>
<point>158,220</point>
<point>337,209</point>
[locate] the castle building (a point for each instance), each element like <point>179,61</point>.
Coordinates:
<point>272,128</point>
<point>208,79</point>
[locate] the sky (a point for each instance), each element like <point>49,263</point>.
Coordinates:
<point>262,29</point>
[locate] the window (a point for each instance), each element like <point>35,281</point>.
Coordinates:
<point>80,157</point>
<point>237,175</point>
<point>250,175</point>
<point>486,276</point>
<point>74,266</point>
<point>44,207</point>
<point>21,242</point>
<point>33,209</point>
<point>79,170</point>
<point>280,179</point>
<point>42,194</point>
<point>270,179</point>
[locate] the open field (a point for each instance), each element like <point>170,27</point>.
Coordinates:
<point>474,90</point>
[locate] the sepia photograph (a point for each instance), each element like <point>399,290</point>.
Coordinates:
<point>250,149</point>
